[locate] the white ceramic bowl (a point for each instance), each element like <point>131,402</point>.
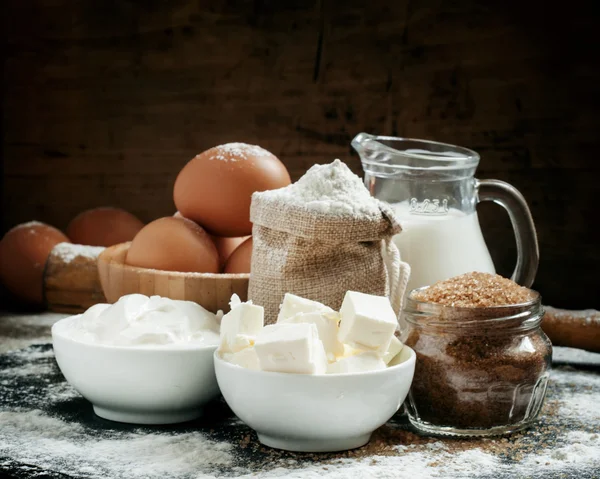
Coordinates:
<point>332,412</point>
<point>140,385</point>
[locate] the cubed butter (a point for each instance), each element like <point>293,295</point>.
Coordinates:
<point>245,358</point>
<point>291,348</point>
<point>368,321</point>
<point>393,349</point>
<point>357,363</point>
<point>241,325</point>
<point>327,327</point>
<point>293,305</point>
<point>349,351</point>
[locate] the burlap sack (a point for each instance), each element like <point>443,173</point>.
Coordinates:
<point>320,256</point>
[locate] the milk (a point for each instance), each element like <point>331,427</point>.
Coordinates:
<point>439,247</point>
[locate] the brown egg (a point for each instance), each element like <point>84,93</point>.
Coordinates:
<point>226,246</point>
<point>103,227</point>
<point>23,254</point>
<point>174,244</point>
<point>240,259</point>
<point>214,189</point>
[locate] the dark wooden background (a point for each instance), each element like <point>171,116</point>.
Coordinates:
<point>104,102</point>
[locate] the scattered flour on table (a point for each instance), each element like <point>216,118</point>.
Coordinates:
<point>581,407</point>
<point>27,370</point>
<point>51,443</point>
<point>32,438</point>
<point>574,356</point>
<point>567,376</point>
<point>69,251</point>
<point>583,450</point>
<point>331,188</point>
<point>407,466</point>
<point>19,330</point>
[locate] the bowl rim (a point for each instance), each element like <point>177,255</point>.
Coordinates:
<point>407,364</point>
<point>106,258</point>
<point>143,349</point>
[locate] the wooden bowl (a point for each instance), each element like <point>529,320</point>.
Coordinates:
<point>211,291</point>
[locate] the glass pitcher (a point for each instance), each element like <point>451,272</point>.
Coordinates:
<point>432,188</point>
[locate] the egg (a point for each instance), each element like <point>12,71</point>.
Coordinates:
<point>226,246</point>
<point>103,227</point>
<point>173,244</point>
<point>23,254</point>
<point>240,259</point>
<point>215,188</point>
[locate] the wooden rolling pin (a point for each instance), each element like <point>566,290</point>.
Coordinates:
<point>574,329</point>
<point>71,280</point>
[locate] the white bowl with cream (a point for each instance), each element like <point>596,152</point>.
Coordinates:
<point>315,413</point>
<point>142,360</point>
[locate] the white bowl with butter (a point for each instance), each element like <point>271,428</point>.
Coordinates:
<point>142,360</point>
<point>316,413</point>
<point>318,380</point>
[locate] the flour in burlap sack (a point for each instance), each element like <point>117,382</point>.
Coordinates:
<point>320,237</point>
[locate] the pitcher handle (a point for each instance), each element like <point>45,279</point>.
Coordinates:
<point>528,254</point>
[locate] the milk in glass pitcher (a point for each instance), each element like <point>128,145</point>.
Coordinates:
<point>432,188</point>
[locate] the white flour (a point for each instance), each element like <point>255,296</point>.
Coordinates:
<point>49,442</point>
<point>331,188</point>
<point>581,407</point>
<point>29,224</point>
<point>569,377</point>
<point>69,251</point>
<point>21,330</point>
<point>237,152</point>
<point>405,466</point>
<point>583,450</point>
<point>574,356</point>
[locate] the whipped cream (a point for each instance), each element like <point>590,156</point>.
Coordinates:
<point>138,320</point>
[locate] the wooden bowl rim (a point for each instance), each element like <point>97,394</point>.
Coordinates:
<point>112,263</point>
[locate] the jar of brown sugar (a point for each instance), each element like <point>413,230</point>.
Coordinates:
<point>482,359</point>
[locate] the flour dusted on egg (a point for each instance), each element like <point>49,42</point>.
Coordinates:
<point>332,189</point>
<point>238,152</point>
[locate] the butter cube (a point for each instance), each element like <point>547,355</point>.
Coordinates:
<point>246,358</point>
<point>349,351</point>
<point>291,348</point>
<point>293,305</point>
<point>240,326</point>
<point>368,321</point>
<point>327,327</point>
<point>357,363</point>
<point>393,349</point>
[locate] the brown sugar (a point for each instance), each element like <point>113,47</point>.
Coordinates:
<point>485,363</point>
<point>475,290</point>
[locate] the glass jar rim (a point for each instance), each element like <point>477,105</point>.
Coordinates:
<point>525,315</point>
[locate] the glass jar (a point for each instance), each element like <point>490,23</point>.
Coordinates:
<point>479,371</point>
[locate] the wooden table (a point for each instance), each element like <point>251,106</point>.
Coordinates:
<point>47,430</point>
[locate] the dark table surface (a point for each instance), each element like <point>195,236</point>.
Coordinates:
<point>48,431</point>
